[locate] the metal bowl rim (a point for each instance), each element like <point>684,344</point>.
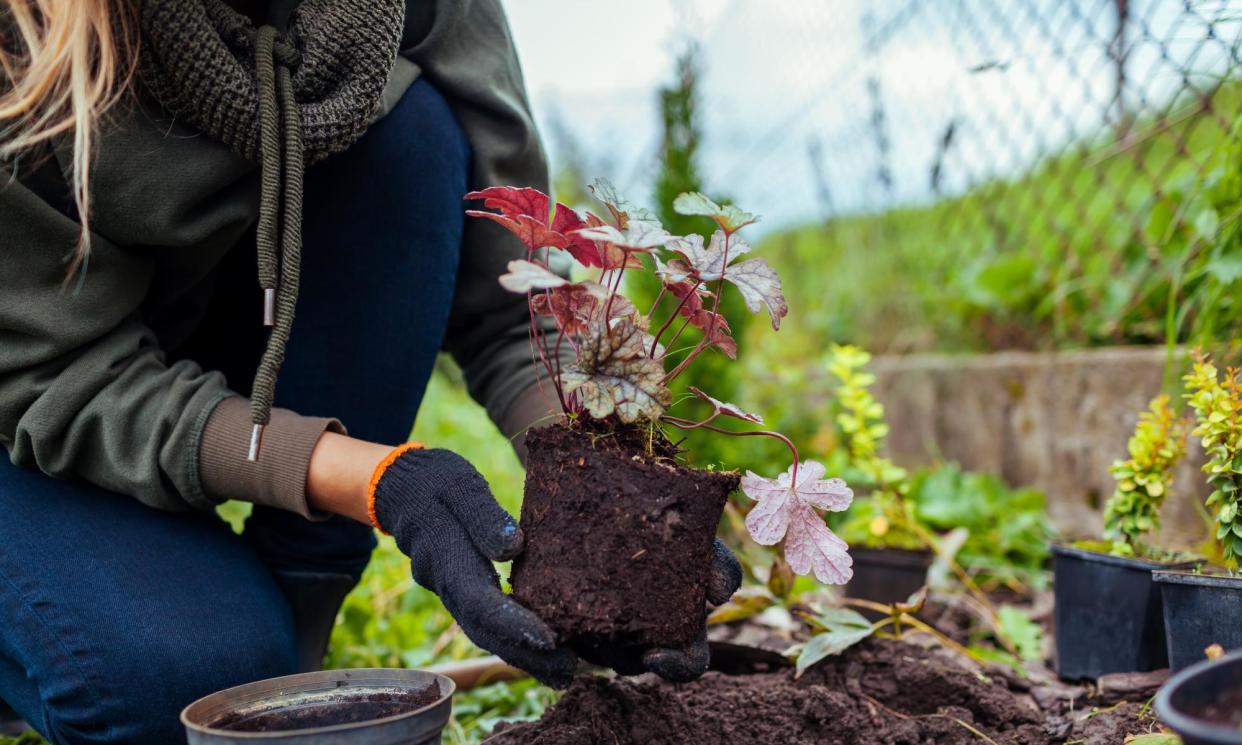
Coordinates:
<point>447,689</point>
<point>1186,724</point>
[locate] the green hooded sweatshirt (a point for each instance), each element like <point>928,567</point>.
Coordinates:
<point>86,389</point>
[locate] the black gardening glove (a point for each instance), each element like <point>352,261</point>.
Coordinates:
<point>677,665</point>
<point>444,517</point>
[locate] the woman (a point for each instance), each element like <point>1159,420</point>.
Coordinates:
<point>176,177</point>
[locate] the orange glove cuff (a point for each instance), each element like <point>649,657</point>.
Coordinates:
<point>379,474</point>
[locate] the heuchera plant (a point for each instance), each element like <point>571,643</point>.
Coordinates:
<point>1218,416</point>
<point>624,358</point>
<point>1143,480</point>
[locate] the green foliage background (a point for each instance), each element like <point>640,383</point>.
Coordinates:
<point>1045,260</point>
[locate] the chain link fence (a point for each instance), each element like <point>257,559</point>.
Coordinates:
<point>1056,166</point>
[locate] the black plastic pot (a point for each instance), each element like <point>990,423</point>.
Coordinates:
<point>338,692</point>
<point>887,575</point>
<point>1186,702</point>
<point>1199,610</point>
<point>1108,616</point>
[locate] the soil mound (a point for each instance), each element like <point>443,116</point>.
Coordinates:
<point>881,692</point>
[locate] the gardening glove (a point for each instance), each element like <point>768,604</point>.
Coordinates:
<point>444,517</point>
<point>677,665</point>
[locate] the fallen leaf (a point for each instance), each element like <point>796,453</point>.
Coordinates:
<point>829,643</point>
<point>745,603</point>
<point>1153,738</point>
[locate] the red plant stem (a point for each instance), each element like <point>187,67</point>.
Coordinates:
<point>659,297</point>
<point>538,342</point>
<point>710,331</point>
<point>687,424</point>
<point>656,341</point>
<point>616,286</point>
<point>677,335</point>
<point>556,355</point>
<point>560,328</point>
<point>683,423</point>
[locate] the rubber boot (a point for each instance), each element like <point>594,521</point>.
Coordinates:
<point>315,598</point>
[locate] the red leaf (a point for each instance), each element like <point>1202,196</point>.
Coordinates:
<point>513,201</point>
<point>686,290</point>
<point>574,305</point>
<point>571,306</point>
<point>529,230</point>
<point>701,318</point>
<point>721,335</point>
<point>566,222</point>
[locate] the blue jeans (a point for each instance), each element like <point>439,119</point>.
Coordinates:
<point>113,615</point>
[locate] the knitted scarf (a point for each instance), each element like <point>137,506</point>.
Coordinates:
<point>284,100</point>
<point>198,58</point>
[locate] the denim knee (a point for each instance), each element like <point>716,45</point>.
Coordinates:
<point>142,691</point>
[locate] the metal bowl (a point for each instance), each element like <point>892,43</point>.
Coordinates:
<point>1195,687</point>
<point>319,691</point>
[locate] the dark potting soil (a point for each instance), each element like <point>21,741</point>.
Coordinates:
<point>880,692</point>
<point>343,709</point>
<point>1226,710</point>
<point>618,537</point>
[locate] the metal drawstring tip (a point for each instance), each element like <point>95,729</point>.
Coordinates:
<point>269,307</point>
<point>256,442</point>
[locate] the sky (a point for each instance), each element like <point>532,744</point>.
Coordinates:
<point>814,108</point>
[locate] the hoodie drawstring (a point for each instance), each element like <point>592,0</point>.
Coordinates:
<point>279,264</point>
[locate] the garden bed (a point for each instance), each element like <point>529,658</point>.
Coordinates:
<point>881,691</point>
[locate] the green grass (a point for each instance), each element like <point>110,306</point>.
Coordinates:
<point>1082,250</point>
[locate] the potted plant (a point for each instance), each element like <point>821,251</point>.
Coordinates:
<point>891,551</point>
<point>1108,614</point>
<point>618,530</point>
<point>1203,607</point>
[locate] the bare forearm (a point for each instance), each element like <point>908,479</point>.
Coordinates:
<point>339,474</point>
<point>341,467</point>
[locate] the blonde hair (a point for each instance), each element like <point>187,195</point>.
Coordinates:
<point>65,63</point>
